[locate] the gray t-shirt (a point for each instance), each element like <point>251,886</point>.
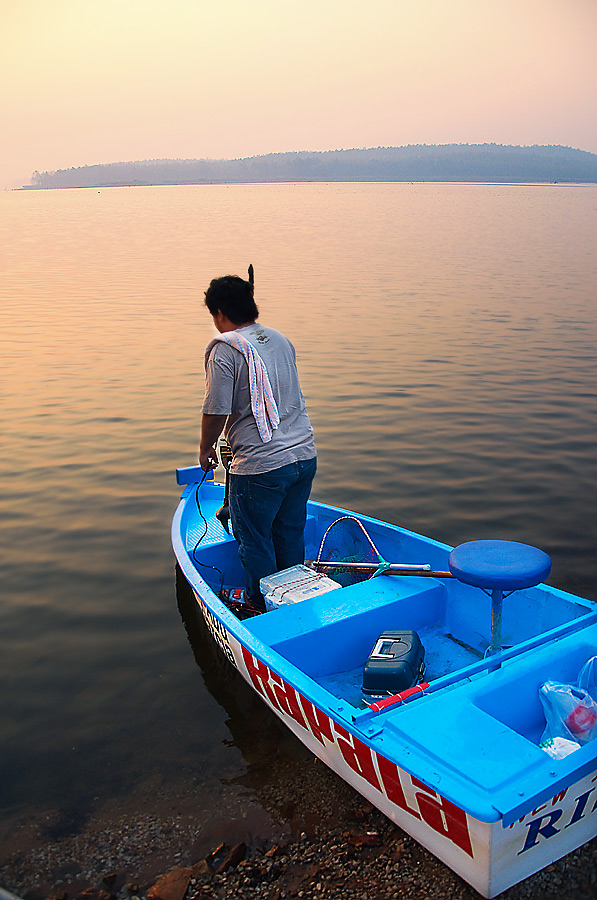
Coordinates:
<point>227,394</point>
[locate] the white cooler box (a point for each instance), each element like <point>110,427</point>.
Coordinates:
<point>293,585</point>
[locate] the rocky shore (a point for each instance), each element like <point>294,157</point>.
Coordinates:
<point>359,855</point>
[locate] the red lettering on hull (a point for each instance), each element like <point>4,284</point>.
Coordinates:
<point>357,755</point>
<point>444,817</point>
<point>390,777</point>
<point>287,699</point>
<point>320,725</point>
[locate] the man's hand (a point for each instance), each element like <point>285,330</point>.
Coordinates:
<point>208,459</point>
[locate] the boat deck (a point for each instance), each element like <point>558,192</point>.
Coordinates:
<point>330,637</point>
<point>443,655</point>
<point>482,717</point>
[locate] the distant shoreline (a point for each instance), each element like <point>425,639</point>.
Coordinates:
<point>81,187</point>
<point>417,164</point>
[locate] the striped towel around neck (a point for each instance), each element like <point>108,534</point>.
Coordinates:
<point>263,404</point>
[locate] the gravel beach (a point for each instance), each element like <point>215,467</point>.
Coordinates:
<point>308,837</point>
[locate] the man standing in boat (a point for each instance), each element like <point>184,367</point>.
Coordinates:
<point>253,395</point>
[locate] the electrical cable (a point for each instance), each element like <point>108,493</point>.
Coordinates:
<point>242,610</point>
<point>205,530</point>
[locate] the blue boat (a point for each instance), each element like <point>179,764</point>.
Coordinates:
<point>453,758</point>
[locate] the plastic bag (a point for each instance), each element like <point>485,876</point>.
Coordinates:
<point>570,713</point>
<point>559,747</point>
<point>587,678</point>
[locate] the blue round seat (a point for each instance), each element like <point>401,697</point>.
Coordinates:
<point>506,565</point>
<point>498,566</point>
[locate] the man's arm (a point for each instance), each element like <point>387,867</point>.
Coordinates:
<point>211,429</point>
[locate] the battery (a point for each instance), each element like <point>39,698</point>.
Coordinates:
<point>397,662</point>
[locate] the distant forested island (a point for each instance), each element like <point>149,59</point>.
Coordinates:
<point>494,163</point>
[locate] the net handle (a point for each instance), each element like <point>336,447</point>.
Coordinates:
<point>422,569</point>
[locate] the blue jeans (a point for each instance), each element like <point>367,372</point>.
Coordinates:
<point>268,514</point>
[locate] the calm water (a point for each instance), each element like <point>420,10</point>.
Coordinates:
<point>447,340</point>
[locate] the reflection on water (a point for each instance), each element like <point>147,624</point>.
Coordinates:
<point>446,340</point>
<point>247,715</point>
<point>286,779</point>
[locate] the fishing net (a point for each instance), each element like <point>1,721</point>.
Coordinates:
<point>346,544</point>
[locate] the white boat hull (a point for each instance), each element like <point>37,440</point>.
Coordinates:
<point>490,856</point>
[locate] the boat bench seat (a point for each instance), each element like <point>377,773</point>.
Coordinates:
<point>334,631</point>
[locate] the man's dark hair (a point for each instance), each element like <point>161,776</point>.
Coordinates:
<point>233,297</point>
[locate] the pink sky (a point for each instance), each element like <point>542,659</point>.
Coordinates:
<point>97,81</point>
